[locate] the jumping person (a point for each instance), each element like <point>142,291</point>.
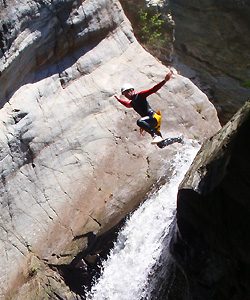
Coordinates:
<point>150,120</point>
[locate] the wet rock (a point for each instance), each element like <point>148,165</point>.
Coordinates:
<point>211,246</point>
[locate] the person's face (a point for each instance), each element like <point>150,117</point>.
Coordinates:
<point>128,93</point>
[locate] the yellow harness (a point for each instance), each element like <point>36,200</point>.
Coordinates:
<point>157,116</point>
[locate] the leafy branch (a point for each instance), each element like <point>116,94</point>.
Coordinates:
<point>152,28</point>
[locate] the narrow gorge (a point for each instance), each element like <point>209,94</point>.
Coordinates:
<point>73,162</point>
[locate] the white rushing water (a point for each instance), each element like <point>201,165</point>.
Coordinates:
<point>140,241</point>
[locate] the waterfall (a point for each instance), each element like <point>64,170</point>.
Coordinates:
<point>142,239</point>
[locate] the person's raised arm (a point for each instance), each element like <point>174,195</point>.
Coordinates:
<point>123,102</point>
<point>155,88</point>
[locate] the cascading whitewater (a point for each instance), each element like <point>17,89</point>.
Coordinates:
<point>141,241</point>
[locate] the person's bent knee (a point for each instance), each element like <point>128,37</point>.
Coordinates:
<point>139,122</point>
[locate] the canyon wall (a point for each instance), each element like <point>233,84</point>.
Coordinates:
<point>73,163</point>
<point>212,49</point>
<point>211,244</point>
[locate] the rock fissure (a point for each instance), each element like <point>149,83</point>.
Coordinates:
<point>40,204</point>
<point>94,219</point>
<point>7,240</point>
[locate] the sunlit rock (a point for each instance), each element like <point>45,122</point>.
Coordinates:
<point>72,159</point>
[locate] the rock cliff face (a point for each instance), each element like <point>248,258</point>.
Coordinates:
<point>212,243</point>
<point>72,160</point>
<point>212,45</point>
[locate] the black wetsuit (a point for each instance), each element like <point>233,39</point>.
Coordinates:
<point>142,107</point>
<point>140,104</point>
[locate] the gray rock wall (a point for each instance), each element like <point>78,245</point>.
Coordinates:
<point>212,47</point>
<point>212,244</point>
<point>72,159</point>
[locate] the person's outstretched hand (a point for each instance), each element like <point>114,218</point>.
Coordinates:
<point>168,76</point>
<point>116,96</point>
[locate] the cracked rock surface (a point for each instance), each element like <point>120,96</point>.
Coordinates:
<point>72,159</point>
<point>212,45</point>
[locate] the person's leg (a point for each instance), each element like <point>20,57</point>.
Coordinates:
<point>170,141</point>
<point>148,124</point>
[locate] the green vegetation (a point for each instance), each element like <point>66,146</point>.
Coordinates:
<point>33,271</point>
<point>246,84</point>
<point>152,28</point>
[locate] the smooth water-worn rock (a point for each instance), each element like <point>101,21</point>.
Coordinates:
<point>212,46</point>
<point>73,163</point>
<point>211,246</point>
